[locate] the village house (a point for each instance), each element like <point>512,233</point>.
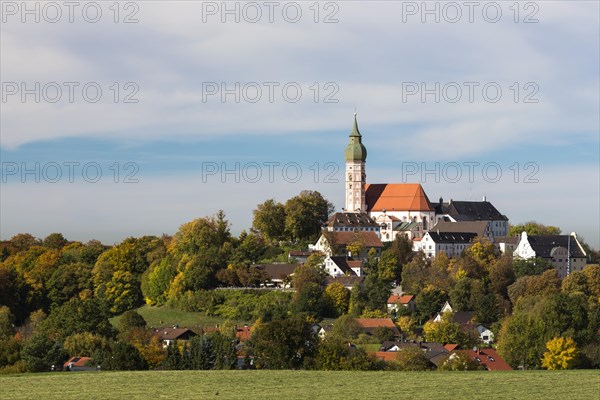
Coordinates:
<point>279,275</point>
<point>482,229</point>
<point>486,358</point>
<point>369,325</point>
<point>564,252</point>
<point>74,364</point>
<point>451,243</point>
<point>351,222</point>
<point>367,240</point>
<point>343,266</point>
<point>169,336</point>
<point>349,282</point>
<point>468,323</point>
<point>396,301</point>
<point>463,211</point>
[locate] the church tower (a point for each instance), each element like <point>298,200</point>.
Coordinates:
<point>356,178</point>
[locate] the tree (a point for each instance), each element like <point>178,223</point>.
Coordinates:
<point>345,328</point>
<point>282,344</point>
<point>85,344</point>
<point>533,229</point>
<point>412,359</point>
<point>458,361</point>
<point>309,272</point>
<point>269,219</point>
<point>562,354</point>
<point>251,248</point>
<point>55,241</point>
<point>309,299</point>
<point>40,353</point>
<point>575,282</point>
<point>501,276</point>
<point>76,316</point>
<point>67,281</point>
<point>304,215</point>
<point>121,356</point>
<point>447,331</point>
<point>129,321</point>
<point>149,346</point>
<point>415,274</point>
<point>7,323</point>
<point>402,247</point>
<point>338,297</point>
<point>201,353</point>
<point>388,267</point>
<point>429,301</point>
<point>224,350</point>
<point>173,359</point>
<point>534,285</point>
<point>592,274</point>
<point>532,266</point>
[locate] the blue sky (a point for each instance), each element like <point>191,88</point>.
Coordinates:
<point>378,59</point>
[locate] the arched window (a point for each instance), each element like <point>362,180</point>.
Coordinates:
<point>424,223</point>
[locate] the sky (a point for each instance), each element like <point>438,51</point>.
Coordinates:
<point>132,118</point>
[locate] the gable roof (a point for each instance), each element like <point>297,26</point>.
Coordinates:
<point>347,281</point>
<point>488,358</point>
<point>477,227</point>
<point>395,299</point>
<point>278,270</point>
<point>396,197</point>
<point>351,219</point>
<point>451,237</point>
<point>344,265</point>
<point>469,210</point>
<point>370,238</point>
<point>370,324</point>
<point>243,334</point>
<point>174,333</point>
<point>543,245</point>
<point>507,239</point>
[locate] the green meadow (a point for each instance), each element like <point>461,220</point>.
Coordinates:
<point>546,385</point>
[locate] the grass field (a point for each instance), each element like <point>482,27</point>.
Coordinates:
<point>546,385</point>
<point>162,316</point>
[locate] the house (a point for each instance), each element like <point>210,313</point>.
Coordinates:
<point>349,282</point>
<point>507,244</point>
<point>369,325</point>
<point>487,358</point>
<point>298,256</point>
<point>169,336</point>
<point>368,241</point>
<point>459,211</point>
<point>434,352</point>
<point>481,229</point>
<point>352,222</point>
<point>466,320</point>
<point>451,243</point>
<point>564,252</point>
<point>278,274</point>
<point>343,266</point>
<point>324,331</point>
<point>395,301</point>
<point>80,364</point>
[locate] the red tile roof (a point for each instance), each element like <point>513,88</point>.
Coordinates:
<point>77,361</point>
<point>243,334</point>
<point>450,346</point>
<point>386,355</point>
<point>395,299</point>
<point>488,358</point>
<point>370,324</point>
<point>396,197</point>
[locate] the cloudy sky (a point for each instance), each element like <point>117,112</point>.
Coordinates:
<point>132,119</point>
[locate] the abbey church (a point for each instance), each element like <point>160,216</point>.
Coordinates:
<point>389,209</point>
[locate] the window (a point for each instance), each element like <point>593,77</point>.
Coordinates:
<point>485,337</point>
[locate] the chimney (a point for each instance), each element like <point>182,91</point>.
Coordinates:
<point>484,199</point>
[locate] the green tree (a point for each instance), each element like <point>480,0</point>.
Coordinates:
<point>55,241</point>
<point>173,359</point>
<point>562,354</point>
<point>345,329</point>
<point>411,359</point>
<point>129,321</point>
<point>389,268</point>
<point>76,316</point>
<point>282,344</point>
<point>40,353</point>
<point>201,353</point>
<point>458,362</point>
<point>157,279</point>
<point>533,229</point>
<point>447,331</point>
<point>67,281</point>
<point>121,356</point>
<point>305,214</point>
<point>7,323</point>
<point>269,219</point>
<point>429,301</point>
<point>415,275</point>
<point>533,266</point>
<point>250,250</point>
<point>224,351</point>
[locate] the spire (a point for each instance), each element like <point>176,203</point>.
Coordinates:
<point>355,151</point>
<point>355,131</point>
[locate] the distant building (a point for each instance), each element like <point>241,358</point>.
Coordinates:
<point>463,211</point>
<point>482,229</point>
<point>343,266</point>
<point>369,240</point>
<point>564,252</point>
<point>507,244</point>
<point>394,302</point>
<point>487,358</point>
<point>351,222</point>
<point>451,243</point>
<point>278,274</point>
<point>169,336</point>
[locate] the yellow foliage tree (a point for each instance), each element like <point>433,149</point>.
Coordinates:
<point>562,354</point>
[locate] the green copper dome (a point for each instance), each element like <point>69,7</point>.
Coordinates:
<point>355,151</point>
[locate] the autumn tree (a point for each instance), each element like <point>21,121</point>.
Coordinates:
<point>411,359</point>
<point>85,344</point>
<point>561,354</point>
<point>338,297</point>
<point>415,275</point>
<point>447,331</point>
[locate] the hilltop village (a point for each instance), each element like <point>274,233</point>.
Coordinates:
<point>393,281</point>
